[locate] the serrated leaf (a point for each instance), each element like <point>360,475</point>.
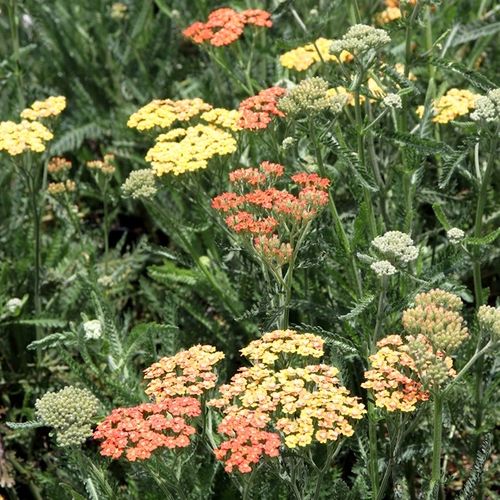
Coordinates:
<point>49,341</point>
<point>30,424</point>
<point>360,307</point>
<point>440,215</point>
<point>484,240</point>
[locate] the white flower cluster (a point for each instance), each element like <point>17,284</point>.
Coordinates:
<point>455,235</point>
<point>383,268</point>
<point>13,306</point>
<point>396,246</point>
<point>487,108</point>
<point>288,142</point>
<point>92,329</point>
<point>140,184</point>
<point>393,101</point>
<point>360,38</point>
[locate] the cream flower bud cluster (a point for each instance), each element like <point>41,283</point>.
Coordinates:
<point>487,108</point>
<point>455,235</point>
<point>383,268</point>
<point>360,38</point>
<point>393,101</point>
<point>140,184</point>
<point>489,319</point>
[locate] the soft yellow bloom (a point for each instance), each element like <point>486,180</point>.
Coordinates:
<point>225,118</point>
<point>387,15</point>
<point>453,104</point>
<point>16,138</point>
<point>303,57</point>
<point>104,166</point>
<point>56,188</point>
<point>52,106</point>
<point>185,150</point>
<point>163,113</point>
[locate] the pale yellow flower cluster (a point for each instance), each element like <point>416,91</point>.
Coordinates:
<point>55,188</point>
<point>303,57</point>
<point>17,138</point>
<point>375,89</point>
<point>52,106</point>
<point>225,118</point>
<point>185,150</point>
<point>105,166</point>
<point>453,104</point>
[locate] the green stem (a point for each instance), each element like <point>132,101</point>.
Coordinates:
<point>332,452</point>
<point>106,230</point>
<point>373,451</point>
<point>436,447</point>
<point>14,34</point>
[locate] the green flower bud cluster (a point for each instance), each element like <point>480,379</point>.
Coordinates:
<point>140,184</point>
<point>360,38</point>
<point>440,298</point>
<point>396,246</point>
<point>434,368</point>
<point>310,97</point>
<point>487,108</point>
<point>70,412</point>
<point>436,317</point>
<point>489,319</point>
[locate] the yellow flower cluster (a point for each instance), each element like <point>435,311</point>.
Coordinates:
<point>374,88</point>
<point>225,118</point>
<point>164,112</point>
<point>52,106</point>
<point>388,14</point>
<point>187,373</point>
<point>55,188</point>
<point>104,166</point>
<point>185,150</point>
<point>303,57</point>
<point>453,104</point>
<point>16,138</point>
<point>271,345</point>
<point>390,377</point>
<point>303,403</point>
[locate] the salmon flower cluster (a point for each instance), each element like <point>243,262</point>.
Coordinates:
<point>180,150</point>
<point>225,26</point>
<point>138,431</point>
<point>393,377</point>
<point>392,11</point>
<point>304,57</point>
<point>453,104</point>
<point>258,111</point>
<point>187,373</point>
<point>295,405</point>
<point>258,211</point>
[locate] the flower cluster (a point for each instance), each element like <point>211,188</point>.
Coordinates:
<point>393,101</point>
<point>55,188</point>
<point>397,247</point>
<point>105,166</point>
<point>185,150</point>
<point>268,349</point>
<point>436,316</point>
<point>58,165</point>
<point>260,211</point>
<point>303,57</point>
<point>303,404</point>
<point>310,97</point>
<point>247,442</point>
<point>360,38</point>
<point>224,26</point>
<point>455,235</point>
<point>140,184</point>
<point>70,412</point>
<point>138,431</point>
<point>489,319</point>
<point>383,268</point>
<point>392,11</point>
<point>187,373</point>
<point>163,113</point>
<point>225,118</point>
<point>487,107</point>
<point>390,377</point>
<point>92,329</point>
<point>258,111</point>
<point>52,106</point>
<point>17,138</point>
<point>453,104</point>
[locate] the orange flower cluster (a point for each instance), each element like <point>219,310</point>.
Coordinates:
<point>248,441</point>
<point>390,377</point>
<point>303,404</point>
<point>225,26</point>
<point>261,211</point>
<point>188,373</point>
<point>258,111</point>
<point>138,431</point>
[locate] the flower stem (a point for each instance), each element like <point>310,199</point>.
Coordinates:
<point>436,447</point>
<point>373,451</point>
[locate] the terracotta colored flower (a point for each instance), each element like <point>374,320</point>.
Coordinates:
<point>258,111</point>
<point>138,431</point>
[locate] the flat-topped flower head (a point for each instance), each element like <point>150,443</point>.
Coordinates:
<point>225,26</point>
<point>70,412</point>
<point>396,246</point>
<point>187,373</point>
<point>52,106</point>
<point>140,184</point>
<point>453,104</point>
<point>283,344</point>
<point>359,39</point>
<point>393,377</point>
<point>18,138</point>
<point>455,235</point>
<point>258,111</point>
<point>304,57</point>
<point>225,118</point>
<point>163,113</point>
<point>383,268</point>
<point>137,432</point>
<point>487,108</point>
